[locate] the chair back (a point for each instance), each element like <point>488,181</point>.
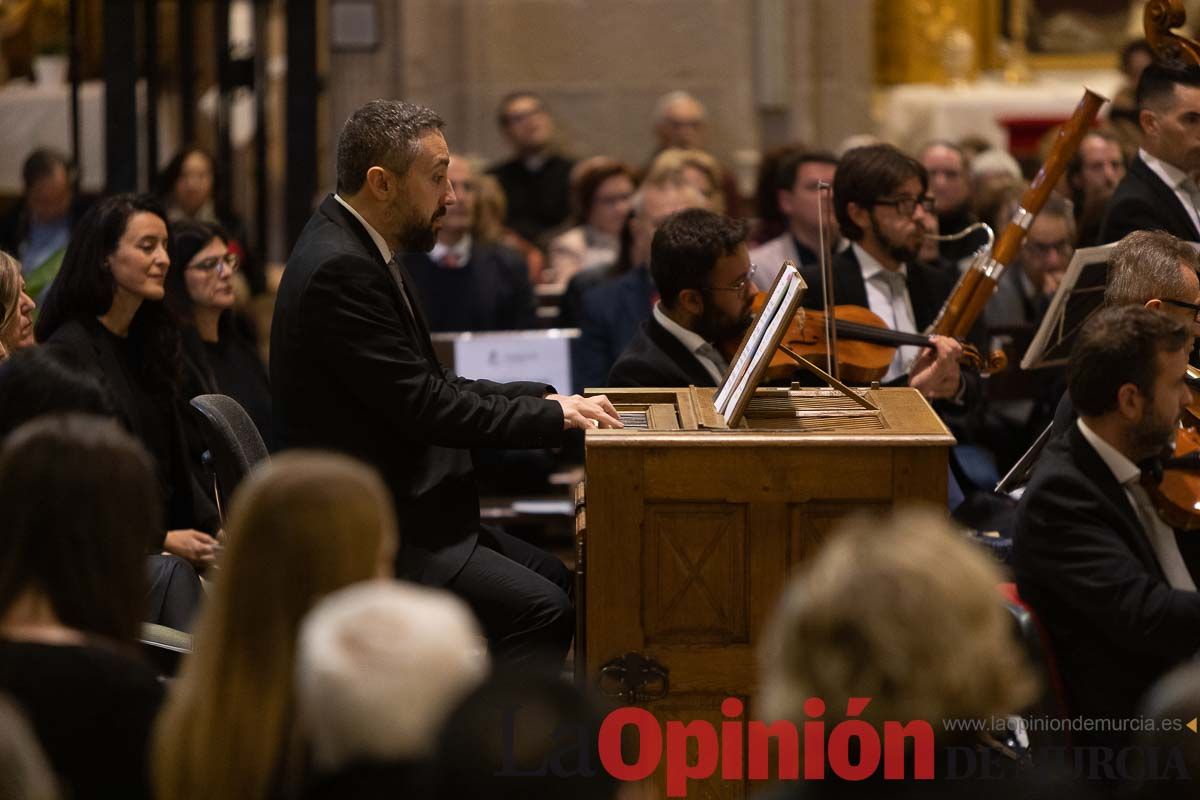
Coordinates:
<point>164,647</point>
<point>232,439</point>
<point>1040,653</point>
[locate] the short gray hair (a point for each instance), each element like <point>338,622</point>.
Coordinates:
<point>664,103</point>
<point>379,667</point>
<point>1145,265</point>
<point>381,133</point>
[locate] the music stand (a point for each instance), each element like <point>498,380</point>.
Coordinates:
<point>1079,296</point>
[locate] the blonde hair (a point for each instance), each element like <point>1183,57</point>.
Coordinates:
<point>670,164</point>
<point>301,527</point>
<point>10,297</point>
<point>901,610</point>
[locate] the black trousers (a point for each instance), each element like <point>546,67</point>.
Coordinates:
<point>522,596</point>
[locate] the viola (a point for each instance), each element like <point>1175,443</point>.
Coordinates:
<point>865,345</point>
<point>1177,495</point>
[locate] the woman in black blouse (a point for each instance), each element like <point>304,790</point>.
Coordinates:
<point>200,293</point>
<point>105,308</point>
<point>80,505</point>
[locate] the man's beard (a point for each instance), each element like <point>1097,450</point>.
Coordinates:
<point>714,326</point>
<point>1153,435</point>
<point>899,251</point>
<point>419,235</point>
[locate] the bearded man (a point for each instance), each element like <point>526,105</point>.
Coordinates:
<point>353,370</point>
<point>701,267</point>
<point>1091,554</point>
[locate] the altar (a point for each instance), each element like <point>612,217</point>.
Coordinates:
<point>910,115</point>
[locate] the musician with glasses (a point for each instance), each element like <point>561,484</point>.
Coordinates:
<point>218,356</point>
<point>701,266</point>
<point>880,200</point>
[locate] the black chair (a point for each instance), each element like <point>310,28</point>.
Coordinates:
<point>233,442</point>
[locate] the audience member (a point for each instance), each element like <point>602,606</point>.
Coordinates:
<point>904,611</point>
<point>1093,175</point>
<point>16,308</point>
<point>466,283</point>
<point>80,507</point>
<point>703,274</point>
<point>1021,404</point>
<point>994,173</point>
<point>1123,111</point>
<point>681,122</point>
<point>1158,192</point>
<point>189,187</point>
<point>106,309</point>
<point>950,187</point>
<point>537,178</point>
<point>38,229</point>
<point>696,168</point>
<point>200,294</point>
<point>492,210</point>
<point>611,312</point>
<point>1091,555</point>
<point>771,221</point>
<point>24,772</point>
<point>301,527</point>
<point>379,667</point>
<point>803,204</point>
<point>521,737</point>
<point>601,197</point>
<point>1167,749</point>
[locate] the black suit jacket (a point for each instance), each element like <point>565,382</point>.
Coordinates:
<point>353,371</point>
<point>1083,562</point>
<point>1143,202</point>
<point>655,358</point>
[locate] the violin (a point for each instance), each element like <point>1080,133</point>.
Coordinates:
<point>1175,496</point>
<point>865,345</point>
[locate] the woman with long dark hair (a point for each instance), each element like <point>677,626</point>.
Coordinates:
<point>200,294</point>
<point>105,308</point>
<point>80,507</point>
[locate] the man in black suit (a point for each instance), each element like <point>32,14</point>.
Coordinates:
<point>701,266</point>
<point>880,201</point>
<point>1091,555</point>
<point>1159,192</point>
<point>353,370</point>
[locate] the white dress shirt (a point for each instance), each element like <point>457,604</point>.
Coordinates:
<point>1158,533</point>
<point>705,353</point>
<point>887,297</point>
<point>1180,182</point>
<point>460,249</point>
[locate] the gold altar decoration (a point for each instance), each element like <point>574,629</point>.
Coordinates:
<point>907,32</point>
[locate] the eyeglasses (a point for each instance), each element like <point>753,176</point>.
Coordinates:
<point>228,263</point>
<point>1062,247</point>
<point>905,206</point>
<point>737,286</point>
<point>1193,307</point>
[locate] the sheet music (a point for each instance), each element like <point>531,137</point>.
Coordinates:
<point>741,366</point>
<point>760,345</point>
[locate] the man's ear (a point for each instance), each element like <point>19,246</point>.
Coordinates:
<point>1148,122</point>
<point>380,182</point>
<point>859,216</point>
<point>1130,402</point>
<point>1154,304</point>
<point>691,301</point>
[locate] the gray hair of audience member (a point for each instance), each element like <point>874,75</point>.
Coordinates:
<point>664,103</point>
<point>1171,703</point>
<point>903,610</point>
<point>995,161</point>
<point>24,771</point>
<point>1145,265</point>
<point>379,666</point>
<point>385,133</point>
<point>1058,206</point>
